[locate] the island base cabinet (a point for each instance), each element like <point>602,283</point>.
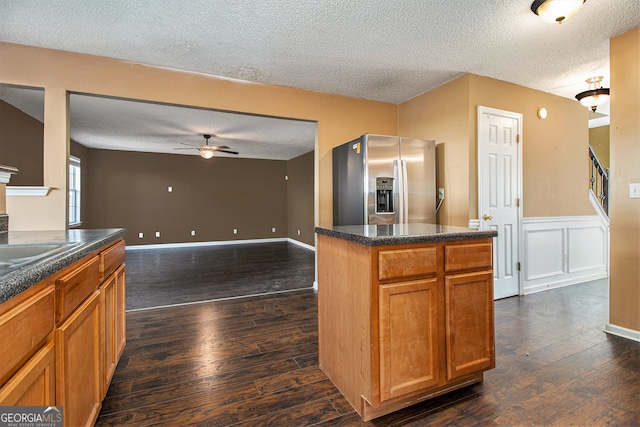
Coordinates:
<point>34,383</point>
<point>78,364</point>
<point>399,324</point>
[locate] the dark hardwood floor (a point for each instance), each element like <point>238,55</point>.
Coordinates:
<point>253,362</point>
<point>161,277</point>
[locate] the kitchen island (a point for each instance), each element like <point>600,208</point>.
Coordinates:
<point>62,319</point>
<point>405,311</point>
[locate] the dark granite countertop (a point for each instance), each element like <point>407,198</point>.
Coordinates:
<point>78,244</point>
<point>399,234</point>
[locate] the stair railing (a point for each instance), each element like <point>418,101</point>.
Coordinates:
<point>599,181</point>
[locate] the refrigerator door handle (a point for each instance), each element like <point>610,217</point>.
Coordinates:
<point>397,191</point>
<point>404,218</point>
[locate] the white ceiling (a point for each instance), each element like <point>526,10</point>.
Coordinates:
<point>380,50</point>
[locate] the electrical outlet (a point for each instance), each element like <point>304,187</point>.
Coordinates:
<point>235,231</point>
<point>157,234</point>
<point>170,189</point>
<point>273,229</point>
<point>298,232</point>
<point>193,232</point>
<point>440,193</point>
<point>140,235</point>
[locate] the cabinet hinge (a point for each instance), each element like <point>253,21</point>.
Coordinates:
<point>518,202</point>
<point>518,137</point>
<point>518,265</point>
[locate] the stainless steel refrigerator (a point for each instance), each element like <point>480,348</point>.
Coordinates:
<point>380,179</point>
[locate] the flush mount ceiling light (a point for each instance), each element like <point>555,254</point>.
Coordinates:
<point>596,95</point>
<point>556,10</point>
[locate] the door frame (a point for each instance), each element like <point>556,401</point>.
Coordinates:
<point>480,154</point>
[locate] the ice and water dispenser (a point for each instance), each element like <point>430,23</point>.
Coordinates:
<point>384,195</point>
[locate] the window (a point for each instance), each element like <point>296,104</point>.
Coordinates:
<point>74,191</point>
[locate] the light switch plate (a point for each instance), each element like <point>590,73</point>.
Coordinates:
<point>634,191</point>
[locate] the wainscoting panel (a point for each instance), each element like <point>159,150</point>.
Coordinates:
<point>544,253</point>
<point>561,251</point>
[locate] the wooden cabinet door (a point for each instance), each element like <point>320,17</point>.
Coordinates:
<point>469,323</point>
<point>120,313</point>
<point>34,383</point>
<point>112,328</point>
<point>408,337</point>
<point>108,331</point>
<point>78,364</point>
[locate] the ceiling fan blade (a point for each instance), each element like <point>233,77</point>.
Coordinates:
<point>219,147</point>
<point>227,151</point>
<point>192,148</point>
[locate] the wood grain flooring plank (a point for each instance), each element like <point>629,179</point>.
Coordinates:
<point>289,379</point>
<point>216,415</point>
<point>165,411</point>
<point>156,375</point>
<point>591,413</point>
<point>307,414</point>
<point>307,360</point>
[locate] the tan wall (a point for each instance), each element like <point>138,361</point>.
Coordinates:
<point>555,150</point>
<point>442,115</point>
<point>624,300</point>
<point>21,145</point>
<point>599,141</point>
<point>339,118</point>
<point>300,204</point>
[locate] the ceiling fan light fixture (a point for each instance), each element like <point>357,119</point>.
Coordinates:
<point>556,10</point>
<point>596,95</point>
<point>206,151</point>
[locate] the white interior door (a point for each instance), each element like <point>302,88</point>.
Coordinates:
<point>499,182</point>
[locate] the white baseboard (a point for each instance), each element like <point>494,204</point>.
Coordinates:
<point>218,243</point>
<point>562,283</point>
<point>622,332</point>
<point>303,245</point>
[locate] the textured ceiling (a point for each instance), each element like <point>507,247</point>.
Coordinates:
<point>381,50</point>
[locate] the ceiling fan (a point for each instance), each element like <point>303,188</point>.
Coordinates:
<point>207,151</point>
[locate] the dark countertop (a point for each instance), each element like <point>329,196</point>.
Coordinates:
<point>80,244</point>
<point>400,234</point>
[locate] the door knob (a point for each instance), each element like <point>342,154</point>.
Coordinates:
<point>487,217</point>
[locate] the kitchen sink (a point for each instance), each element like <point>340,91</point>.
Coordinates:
<point>16,255</point>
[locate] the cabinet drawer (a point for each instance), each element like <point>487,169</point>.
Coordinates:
<point>406,262</point>
<point>73,288</point>
<point>24,329</point>
<point>467,257</point>
<point>111,259</point>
